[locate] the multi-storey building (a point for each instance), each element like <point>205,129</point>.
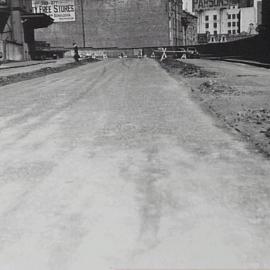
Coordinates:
<point>222,22</point>
<point>175,32</point>
<point>112,23</point>
<point>17,24</point>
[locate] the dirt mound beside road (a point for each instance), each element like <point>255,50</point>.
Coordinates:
<point>186,70</point>
<point>238,100</point>
<point>214,87</point>
<point>22,76</point>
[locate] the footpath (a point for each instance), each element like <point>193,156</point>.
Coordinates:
<point>19,71</point>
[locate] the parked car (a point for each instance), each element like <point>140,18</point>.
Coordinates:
<point>180,52</point>
<point>192,53</point>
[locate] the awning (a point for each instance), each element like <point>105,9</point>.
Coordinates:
<point>4,14</point>
<point>37,20</point>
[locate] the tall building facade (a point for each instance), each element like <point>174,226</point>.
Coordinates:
<point>227,20</point>
<point>189,25</point>
<point>17,24</point>
<point>112,23</point>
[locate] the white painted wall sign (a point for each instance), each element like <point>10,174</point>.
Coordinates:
<point>59,10</point>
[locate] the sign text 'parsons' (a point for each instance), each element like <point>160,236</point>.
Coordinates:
<point>59,10</point>
<point>212,4</point>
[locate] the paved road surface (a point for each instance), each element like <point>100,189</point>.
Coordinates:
<point>112,166</point>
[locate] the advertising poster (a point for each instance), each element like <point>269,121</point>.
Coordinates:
<point>59,10</point>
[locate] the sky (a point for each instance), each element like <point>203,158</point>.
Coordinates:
<point>187,5</point>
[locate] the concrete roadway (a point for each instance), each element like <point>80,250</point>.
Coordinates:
<point>112,166</point>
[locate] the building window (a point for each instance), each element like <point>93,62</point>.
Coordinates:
<point>215,17</point>
<point>238,31</point>
<point>215,33</point>
<point>207,25</point>
<point>229,24</point>
<point>234,32</point>
<point>229,16</point>
<point>207,18</point>
<point>233,16</point>
<point>215,25</point>
<point>233,24</point>
<point>238,16</point>
<point>229,31</point>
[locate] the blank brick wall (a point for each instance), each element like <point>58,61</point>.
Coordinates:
<point>113,23</point>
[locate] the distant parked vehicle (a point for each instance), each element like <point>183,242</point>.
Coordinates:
<point>44,51</point>
<point>173,53</point>
<point>180,53</point>
<point>192,53</point>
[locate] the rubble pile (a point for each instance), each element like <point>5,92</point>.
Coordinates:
<point>5,80</point>
<point>242,105</point>
<point>186,69</point>
<point>257,116</point>
<point>214,87</point>
<point>267,133</point>
<point>194,71</point>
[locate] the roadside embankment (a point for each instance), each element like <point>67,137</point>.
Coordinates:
<point>27,72</point>
<point>238,95</point>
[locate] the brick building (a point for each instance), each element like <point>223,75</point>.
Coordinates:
<point>17,24</point>
<point>189,28</point>
<point>116,23</point>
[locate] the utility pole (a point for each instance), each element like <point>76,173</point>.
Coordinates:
<point>83,24</point>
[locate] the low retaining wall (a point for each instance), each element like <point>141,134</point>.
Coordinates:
<point>255,48</point>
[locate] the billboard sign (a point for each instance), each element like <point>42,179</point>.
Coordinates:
<point>59,10</point>
<point>212,4</point>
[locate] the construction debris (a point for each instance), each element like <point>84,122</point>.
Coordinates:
<point>186,69</point>
<point>214,87</point>
<point>257,116</point>
<point>232,101</point>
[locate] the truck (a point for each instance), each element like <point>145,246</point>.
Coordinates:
<point>44,51</point>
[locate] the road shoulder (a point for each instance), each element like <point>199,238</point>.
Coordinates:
<point>31,71</point>
<point>238,99</point>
